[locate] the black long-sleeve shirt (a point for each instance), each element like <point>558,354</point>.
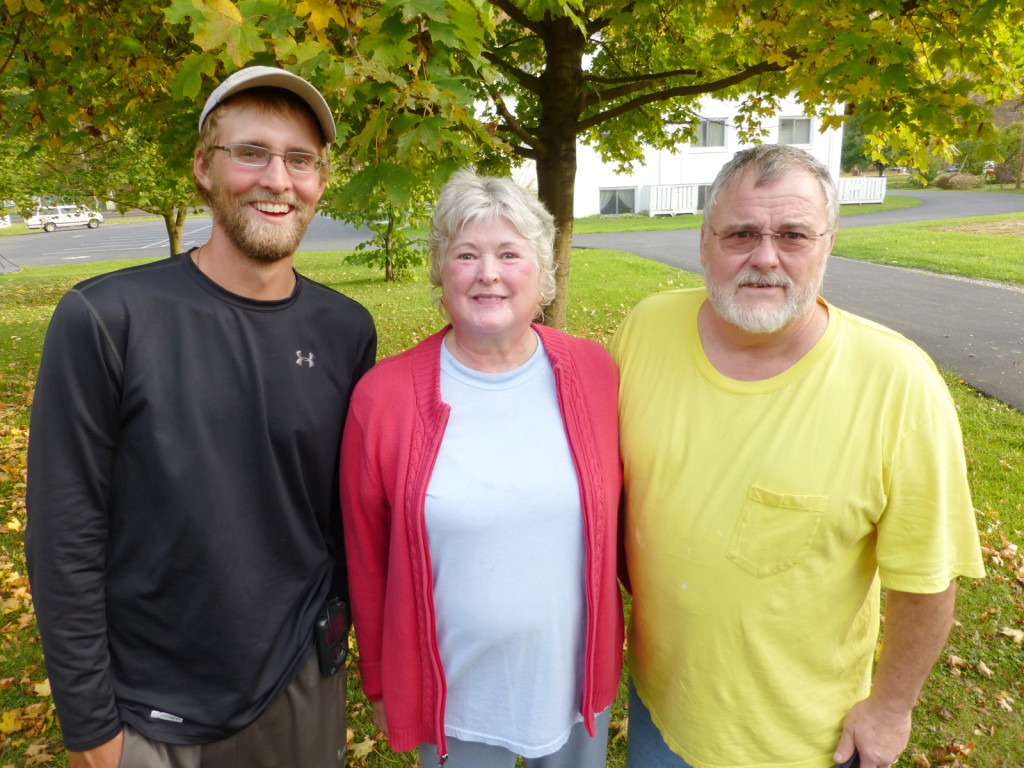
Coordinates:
<point>183,515</point>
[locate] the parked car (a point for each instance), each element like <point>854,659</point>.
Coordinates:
<point>64,216</point>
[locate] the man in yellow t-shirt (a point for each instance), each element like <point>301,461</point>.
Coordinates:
<point>783,460</point>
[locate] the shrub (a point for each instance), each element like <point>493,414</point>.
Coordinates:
<point>1006,174</point>
<point>958,181</point>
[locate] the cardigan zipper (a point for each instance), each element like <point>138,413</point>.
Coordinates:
<point>590,622</point>
<point>435,651</point>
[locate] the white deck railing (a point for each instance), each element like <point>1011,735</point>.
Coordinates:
<point>861,189</point>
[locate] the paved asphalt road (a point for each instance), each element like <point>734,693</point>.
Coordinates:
<point>143,239</point>
<point>975,329</point>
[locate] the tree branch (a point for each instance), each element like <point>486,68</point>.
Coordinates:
<point>511,123</point>
<point>669,93</point>
<point>15,41</point>
<point>525,80</point>
<point>643,78</point>
<point>517,15</point>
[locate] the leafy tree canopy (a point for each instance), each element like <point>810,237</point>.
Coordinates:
<point>407,77</point>
<point>623,75</point>
<point>95,77</point>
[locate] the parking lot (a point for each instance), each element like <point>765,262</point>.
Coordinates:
<point>144,239</point>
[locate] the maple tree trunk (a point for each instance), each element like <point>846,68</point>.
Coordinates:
<point>560,98</point>
<point>1020,159</point>
<point>174,223</point>
<point>389,262</point>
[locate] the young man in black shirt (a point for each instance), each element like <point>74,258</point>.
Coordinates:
<point>184,525</point>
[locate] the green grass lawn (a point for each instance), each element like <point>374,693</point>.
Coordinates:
<point>983,247</point>
<point>971,708</point>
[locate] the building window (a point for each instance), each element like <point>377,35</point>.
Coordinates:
<point>795,130</point>
<point>618,200</point>
<point>710,133</point>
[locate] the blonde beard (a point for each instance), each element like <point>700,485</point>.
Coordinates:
<point>261,241</point>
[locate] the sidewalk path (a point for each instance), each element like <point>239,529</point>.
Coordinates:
<point>975,329</point>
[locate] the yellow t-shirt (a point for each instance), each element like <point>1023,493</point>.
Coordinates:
<point>761,516</point>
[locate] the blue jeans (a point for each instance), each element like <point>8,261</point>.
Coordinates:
<point>645,747</point>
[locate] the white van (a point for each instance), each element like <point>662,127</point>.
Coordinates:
<point>64,216</point>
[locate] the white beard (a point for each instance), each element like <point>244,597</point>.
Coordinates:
<point>760,319</point>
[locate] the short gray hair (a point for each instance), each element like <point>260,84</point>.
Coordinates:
<point>469,198</point>
<point>773,162</point>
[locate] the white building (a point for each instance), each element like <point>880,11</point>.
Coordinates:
<point>675,181</point>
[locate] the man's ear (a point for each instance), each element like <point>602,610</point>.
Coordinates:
<point>201,169</point>
<point>703,264</point>
<point>831,243</point>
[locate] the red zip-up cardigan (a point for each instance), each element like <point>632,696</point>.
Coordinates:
<point>392,435</point>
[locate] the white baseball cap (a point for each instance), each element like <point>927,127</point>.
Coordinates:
<point>274,77</point>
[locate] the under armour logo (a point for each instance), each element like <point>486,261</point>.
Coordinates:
<point>300,359</point>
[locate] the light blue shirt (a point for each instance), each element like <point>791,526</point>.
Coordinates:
<point>505,533</point>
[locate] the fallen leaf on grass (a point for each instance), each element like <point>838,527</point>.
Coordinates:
<point>961,750</point>
<point>620,727</point>
<point>42,689</point>
<point>1016,634</point>
<point>11,722</point>
<point>983,669</point>
<point>1005,701</point>
<point>362,749</point>
<point>38,754</point>
<point>920,760</point>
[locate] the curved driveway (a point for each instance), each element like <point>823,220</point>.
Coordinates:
<point>975,329</point>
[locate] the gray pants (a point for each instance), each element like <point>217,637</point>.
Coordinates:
<point>304,726</point>
<point>580,751</point>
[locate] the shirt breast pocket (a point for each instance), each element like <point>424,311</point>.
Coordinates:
<point>775,531</point>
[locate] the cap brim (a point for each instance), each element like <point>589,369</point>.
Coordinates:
<point>273,77</point>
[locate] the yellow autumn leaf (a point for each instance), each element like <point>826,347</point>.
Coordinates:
<point>863,87</point>
<point>42,689</point>
<point>224,8</point>
<point>1016,634</point>
<point>11,722</point>
<point>9,605</point>
<point>60,47</point>
<point>362,749</point>
<point>320,13</point>
<point>983,669</point>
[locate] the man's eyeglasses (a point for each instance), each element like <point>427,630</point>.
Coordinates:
<point>258,157</point>
<point>790,241</point>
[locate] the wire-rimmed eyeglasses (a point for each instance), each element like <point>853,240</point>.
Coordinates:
<point>790,241</point>
<point>258,157</point>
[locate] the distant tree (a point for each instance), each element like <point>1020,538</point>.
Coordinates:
<point>855,145</point>
<point>86,85</point>
<point>115,89</point>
